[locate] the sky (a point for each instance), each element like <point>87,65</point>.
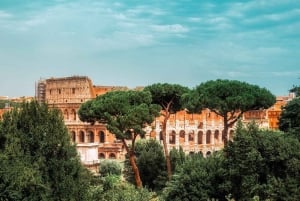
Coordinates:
<point>137,43</point>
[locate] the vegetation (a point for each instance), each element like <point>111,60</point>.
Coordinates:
<point>126,114</point>
<point>229,99</point>
<point>256,164</point>
<point>151,162</point>
<point>8,103</point>
<point>108,167</point>
<point>37,159</point>
<point>289,120</point>
<point>168,97</point>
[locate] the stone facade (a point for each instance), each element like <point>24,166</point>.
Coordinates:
<point>193,132</point>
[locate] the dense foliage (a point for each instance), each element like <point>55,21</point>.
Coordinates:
<point>108,167</point>
<point>151,162</point>
<point>256,164</point>
<point>290,117</point>
<point>126,114</point>
<point>228,98</point>
<point>37,159</point>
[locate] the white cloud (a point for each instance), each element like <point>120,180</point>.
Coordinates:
<point>5,15</point>
<point>170,28</point>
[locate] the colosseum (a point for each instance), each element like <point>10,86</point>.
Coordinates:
<point>193,132</point>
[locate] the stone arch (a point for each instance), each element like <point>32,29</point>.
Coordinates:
<point>73,136</point>
<point>208,153</point>
<point>112,156</point>
<point>172,137</point>
<point>181,136</point>
<point>101,156</point>
<point>200,136</point>
<point>73,113</point>
<point>66,114</point>
<point>101,137</point>
<point>216,136</point>
<point>208,137</point>
<point>91,136</point>
<point>81,136</point>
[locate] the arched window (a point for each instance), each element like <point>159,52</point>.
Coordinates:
<point>101,156</point>
<point>66,114</point>
<point>73,113</point>
<point>181,136</point>
<point>172,137</point>
<point>112,156</point>
<point>81,136</point>
<point>101,137</point>
<point>200,136</point>
<point>216,136</point>
<point>208,153</point>
<point>73,136</point>
<point>208,136</point>
<point>91,137</point>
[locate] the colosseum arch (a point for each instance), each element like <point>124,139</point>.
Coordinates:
<point>90,136</point>
<point>172,137</point>
<point>200,137</point>
<point>208,137</point>
<point>73,136</point>
<point>216,136</point>
<point>101,137</point>
<point>66,114</point>
<point>181,137</point>
<point>112,156</point>
<point>81,136</point>
<point>101,156</point>
<point>73,113</point>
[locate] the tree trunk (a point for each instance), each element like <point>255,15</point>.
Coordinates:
<point>225,131</point>
<point>134,167</point>
<point>167,155</point>
<point>135,170</point>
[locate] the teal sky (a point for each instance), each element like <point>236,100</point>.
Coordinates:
<point>137,43</point>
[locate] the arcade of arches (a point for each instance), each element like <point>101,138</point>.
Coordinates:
<point>193,132</point>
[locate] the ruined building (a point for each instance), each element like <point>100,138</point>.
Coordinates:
<point>193,132</point>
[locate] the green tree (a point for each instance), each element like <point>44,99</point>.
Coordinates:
<point>126,114</point>
<point>108,167</point>
<point>177,157</point>
<point>38,161</point>
<point>289,119</point>
<point>198,179</point>
<point>229,99</point>
<point>264,164</point>
<point>168,97</point>
<point>151,162</point>
<point>296,90</point>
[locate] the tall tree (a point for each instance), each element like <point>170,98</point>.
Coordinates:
<point>38,161</point>
<point>262,163</point>
<point>168,97</point>
<point>296,90</point>
<point>126,114</point>
<point>289,119</point>
<point>229,99</point>
<point>151,163</point>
